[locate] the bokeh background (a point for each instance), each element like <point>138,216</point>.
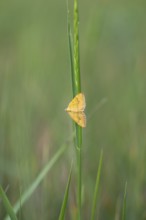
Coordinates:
<point>35,88</point>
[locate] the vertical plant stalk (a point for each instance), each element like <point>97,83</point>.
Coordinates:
<point>96,187</point>
<point>76,86</point>
<point>77,80</point>
<point>70,42</point>
<point>64,204</point>
<point>77,89</point>
<point>124,203</point>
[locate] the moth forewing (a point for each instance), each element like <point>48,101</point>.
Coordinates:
<point>77,104</point>
<point>79,118</point>
<point>76,109</point>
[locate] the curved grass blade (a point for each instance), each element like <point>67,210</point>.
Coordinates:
<point>64,204</point>
<point>27,194</point>
<point>124,203</point>
<point>7,205</point>
<point>94,203</point>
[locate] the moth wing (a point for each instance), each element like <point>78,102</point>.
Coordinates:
<point>77,104</point>
<point>79,118</point>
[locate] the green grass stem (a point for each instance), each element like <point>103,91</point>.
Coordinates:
<point>77,80</point>
<point>77,89</point>
<point>64,204</point>
<point>94,204</point>
<point>124,203</point>
<point>70,42</point>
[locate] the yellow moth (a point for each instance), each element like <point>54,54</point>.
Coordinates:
<point>76,109</point>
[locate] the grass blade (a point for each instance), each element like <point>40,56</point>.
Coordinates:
<point>7,205</point>
<point>124,203</point>
<point>64,204</point>
<point>96,187</point>
<point>70,42</point>
<point>26,195</point>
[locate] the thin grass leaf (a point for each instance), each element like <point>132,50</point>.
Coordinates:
<point>64,204</point>
<point>27,194</point>
<point>70,43</point>
<point>7,205</point>
<point>124,203</point>
<point>94,203</point>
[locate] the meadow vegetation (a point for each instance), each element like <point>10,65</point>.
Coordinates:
<point>35,88</point>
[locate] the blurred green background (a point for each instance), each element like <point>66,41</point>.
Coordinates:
<point>35,88</point>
